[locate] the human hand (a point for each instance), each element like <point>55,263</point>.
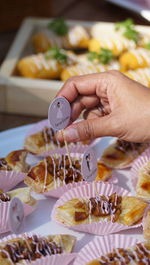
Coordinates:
<point>125,103</point>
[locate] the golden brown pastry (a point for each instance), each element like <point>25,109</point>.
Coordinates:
<point>76,38</point>
<point>143,182</point>
<point>104,173</point>
<point>53,172</point>
<point>121,153</point>
<point>16,160</point>
<point>126,210</point>
<point>138,254</point>
<point>135,58</point>
<point>29,248</point>
<point>42,141</point>
<point>146,225</point>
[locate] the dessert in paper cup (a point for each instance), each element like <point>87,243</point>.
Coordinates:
<point>56,174</point>
<point>35,249</point>
<point>23,194</point>
<point>13,169</point>
<point>41,140</point>
<point>140,173</point>
<point>113,249</point>
<point>99,208</point>
<point>120,154</point>
<point>146,223</point>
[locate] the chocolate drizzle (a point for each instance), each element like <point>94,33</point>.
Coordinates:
<point>100,206</point>
<point>139,255</point>
<point>4,165</point>
<point>30,248</point>
<point>4,197</point>
<point>59,167</point>
<point>49,136</point>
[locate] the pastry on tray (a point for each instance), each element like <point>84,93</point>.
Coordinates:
<point>27,248</point>
<point>53,172</point>
<point>139,254</point>
<point>84,69</point>
<point>121,153</point>
<point>104,173</point>
<point>126,210</point>
<point>141,75</point>
<point>42,141</point>
<point>24,194</point>
<point>16,161</point>
<point>73,37</point>
<point>135,58</point>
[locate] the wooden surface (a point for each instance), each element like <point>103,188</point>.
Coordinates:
<point>92,10</point>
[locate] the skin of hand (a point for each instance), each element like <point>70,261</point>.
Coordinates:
<point>125,103</point>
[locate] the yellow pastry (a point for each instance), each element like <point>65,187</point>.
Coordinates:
<point>135,58</point>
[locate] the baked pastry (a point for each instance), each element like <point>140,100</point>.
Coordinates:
<point>77,37</point>
<point>104,173</point>
<point>135,58</point>
<point>146,225</point>
<point>16,160</point>
<point>38,66</point>
<point>24,194</point>
<point>138,254</point>
<point>126,210</point>
<point>143,182</point>
<point>87,68</point>
<point>29,248</point>
<point>121,153</point>
<point>42,141</point>
<point>141,75</point>
<point>105,36</point>
<point>53,172</point>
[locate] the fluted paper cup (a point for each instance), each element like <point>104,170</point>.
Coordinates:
<point>9,179</point>
<point>138,164</point>
<point>63,259</point>
<point>88,190</point>
<point>101,246</point>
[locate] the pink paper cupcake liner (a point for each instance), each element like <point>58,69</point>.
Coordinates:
<point>58,192</point>
<point>88,190</point>
<point>101,246</point>
<point>9,179</point>
<point>4,215</point>
<point>138,164</point>
<point>63,259</point>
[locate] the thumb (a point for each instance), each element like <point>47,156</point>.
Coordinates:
<point>89,129</point>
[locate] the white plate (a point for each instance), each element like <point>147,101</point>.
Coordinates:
<point>40,220</point>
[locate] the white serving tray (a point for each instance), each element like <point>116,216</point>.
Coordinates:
<point>25,95</point>
<point>40,220</point>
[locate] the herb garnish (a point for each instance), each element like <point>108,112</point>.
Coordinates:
<point>59,26</point>
<point>57,54</point>
<point>104,56</point>
<point>128,29</point>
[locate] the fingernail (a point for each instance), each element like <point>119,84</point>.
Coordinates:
<point>71,134</point>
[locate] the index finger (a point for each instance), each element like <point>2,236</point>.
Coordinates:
<point>79,85</point>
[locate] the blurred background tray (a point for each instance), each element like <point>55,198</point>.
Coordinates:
<point>25,95</point>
